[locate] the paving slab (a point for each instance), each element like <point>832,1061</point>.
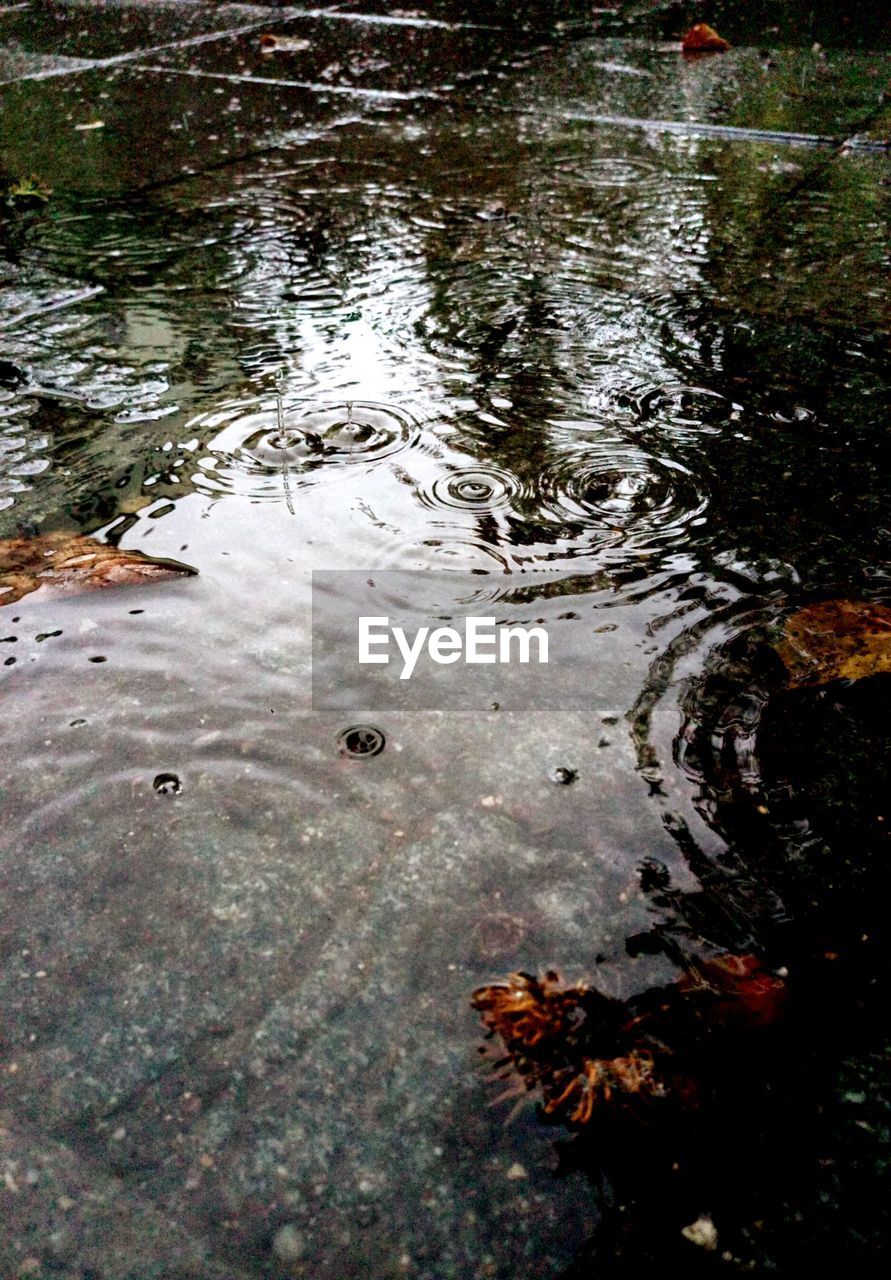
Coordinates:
<point>95,30</point>
<point>63,1218</point>
<point>237,1038</point>
<point>217,1023</point>
<point>413,59</point>
<point>53,40</point>
<point>763,23</point>
<point>784,91</point>
<point>93,134</point>
<point>766,23</point>
<point>18,63</point>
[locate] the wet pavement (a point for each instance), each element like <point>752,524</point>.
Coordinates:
<point>597,322</point>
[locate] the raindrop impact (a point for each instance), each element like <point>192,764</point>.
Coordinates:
<point>167,784</point>
<point>361,741</point>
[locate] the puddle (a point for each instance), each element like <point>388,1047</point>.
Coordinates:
<point>628,379</point>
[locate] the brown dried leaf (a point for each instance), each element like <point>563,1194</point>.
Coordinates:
<point>836,640</point>
<point>704,39</point>
<point>67,564</point>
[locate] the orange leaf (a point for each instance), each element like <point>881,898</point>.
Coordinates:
<point>703,39</point>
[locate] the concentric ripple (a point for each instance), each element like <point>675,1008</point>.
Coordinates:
<point>719,732</point>
<point>681,412</point>
<point>160,245</point>
<point>621,489</point>
<point>255,450</point>
<point>480,488</point>
<point>614,172</point>
<point>576,497</point>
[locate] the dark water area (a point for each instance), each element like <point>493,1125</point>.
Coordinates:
<point>516,291</point>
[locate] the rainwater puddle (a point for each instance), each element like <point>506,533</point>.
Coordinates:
<point>629,380</point>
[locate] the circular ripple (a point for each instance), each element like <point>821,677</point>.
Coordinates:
<point>621,489</point>
<point>361,742</point>
<point>473,489</point>
<point>254,452</point>
<point>141,244</point>
<point>616,172</point>
<point>355,432</point>
<point>795,415</point>
<point>789,779</point>
<point>568,501</point>
<point>167,784</point>
<point>684,410</point>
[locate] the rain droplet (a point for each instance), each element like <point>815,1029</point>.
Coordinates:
<point>361,741</point>
<point>167,784</point>
<point>564,776</point>
<point>474,489</point>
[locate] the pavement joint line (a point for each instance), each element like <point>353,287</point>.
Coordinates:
<point>353,91</point>
<point>694,127</point>
<point>99,64</point>
<point>385,20</point>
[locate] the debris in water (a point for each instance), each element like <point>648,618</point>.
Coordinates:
<point>704,39</point>
<point>28,191</point>
<point>702,1232</point>
<point>739,989</point>
<point>836,640</point>
<point>282,44</point>
<point>579,1050</point>
<point>57,564</point>
<point>562,1043</point>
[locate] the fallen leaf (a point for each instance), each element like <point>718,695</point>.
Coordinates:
<point>836,640</point>
<point>282,44</point>
<point>739,989</point>
<point>28,191</point>
<point>67,564</point>
<point>703,39</point>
